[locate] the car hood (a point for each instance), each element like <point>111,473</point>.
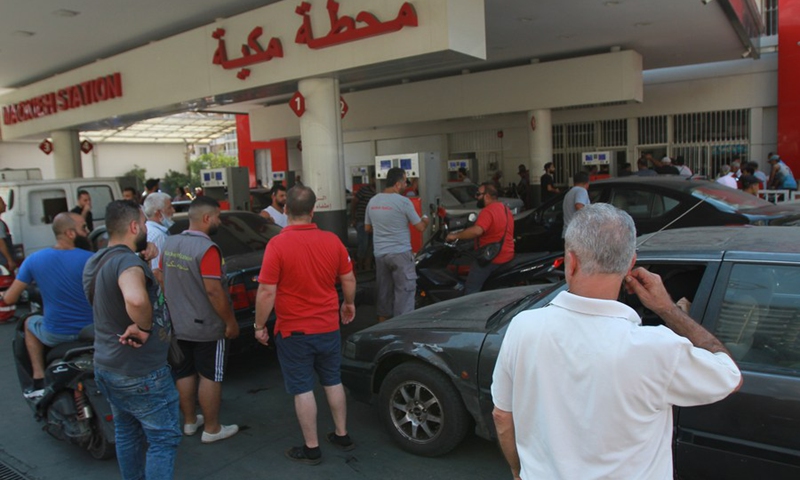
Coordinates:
<point>465,314</point>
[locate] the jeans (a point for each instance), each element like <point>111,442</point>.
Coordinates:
<point>145,410</point>
<point>477,276</point>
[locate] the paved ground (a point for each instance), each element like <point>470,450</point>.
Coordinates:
<point>253,397</point>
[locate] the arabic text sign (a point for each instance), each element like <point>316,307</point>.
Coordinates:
<point>75,96</point>
<point>343,29</point>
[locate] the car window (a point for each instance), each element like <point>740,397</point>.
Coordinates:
<point>759,319</point>
<point>681,281</point>
<point>554,213</point>
<point>642,204</point>
<point>239,233</point>
<point>44,205</point>
<point>464,193</point>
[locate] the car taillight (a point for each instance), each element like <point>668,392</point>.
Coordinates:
<point>558,262</point>
<point>240,297</point>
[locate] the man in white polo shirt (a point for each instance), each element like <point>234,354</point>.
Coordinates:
<point>581,389</point>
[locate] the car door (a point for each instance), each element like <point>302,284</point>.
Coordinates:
<point>754,310</point>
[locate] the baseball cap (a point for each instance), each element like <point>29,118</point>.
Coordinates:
<point>666,160</point>
<point>774,158</point>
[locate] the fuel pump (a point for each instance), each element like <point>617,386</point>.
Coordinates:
<point>230,186</point>
<point>360,176</point>
<point>598,164</point>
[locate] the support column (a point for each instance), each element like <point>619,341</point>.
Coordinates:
<point>788,93</point>
<point>540,141</point>
<point>67,154</point>
<point>323,153</point>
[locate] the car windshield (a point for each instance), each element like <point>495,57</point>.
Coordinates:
<point>727,197</point>
<point>239,233</point>
<point>464,193</point>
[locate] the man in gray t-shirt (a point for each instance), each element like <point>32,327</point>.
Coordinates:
<point>132,336</point>
<point>576,198</point>
<point>388,216</point>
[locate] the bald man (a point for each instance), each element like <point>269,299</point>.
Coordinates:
<point>58,272</point>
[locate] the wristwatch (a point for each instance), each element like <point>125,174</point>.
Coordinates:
<point>257,328</point>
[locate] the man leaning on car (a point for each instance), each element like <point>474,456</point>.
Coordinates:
<point>580,388</point>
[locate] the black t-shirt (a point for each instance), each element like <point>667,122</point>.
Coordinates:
<point>89,219</point>
<point>547,180</point>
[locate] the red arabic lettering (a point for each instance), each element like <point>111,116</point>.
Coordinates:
<point>345,29</point>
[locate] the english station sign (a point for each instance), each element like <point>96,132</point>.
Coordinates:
<point>83,94</point>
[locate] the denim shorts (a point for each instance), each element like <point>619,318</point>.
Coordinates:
<point>36,326</point>
<point>302,355</point>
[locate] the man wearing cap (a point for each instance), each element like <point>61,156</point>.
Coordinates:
<point>781,177</point>
<point>750,184</point>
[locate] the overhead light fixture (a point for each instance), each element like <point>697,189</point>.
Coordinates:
<point>705,2</point>
<point>23,33</point>
<point>525,19</point>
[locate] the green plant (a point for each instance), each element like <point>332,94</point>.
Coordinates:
<point>173,180</point>
<point>137,172</point>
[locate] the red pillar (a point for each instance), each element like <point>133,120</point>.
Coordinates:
<point>788,81</point>
<point>247,149</point>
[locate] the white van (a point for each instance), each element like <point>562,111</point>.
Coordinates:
<point>31,206</point>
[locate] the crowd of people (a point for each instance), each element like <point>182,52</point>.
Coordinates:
<point>149,292</point>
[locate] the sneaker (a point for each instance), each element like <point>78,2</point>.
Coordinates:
<point>304,455</point>
<point>191,428</point>
<point>226,431</point>
<point>342,443</point>
<point>32,394</point>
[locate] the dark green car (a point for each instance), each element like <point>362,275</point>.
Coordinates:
<point>429,372</point>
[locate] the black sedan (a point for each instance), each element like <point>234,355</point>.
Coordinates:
<point>429,372</point>
<point>653,203</point>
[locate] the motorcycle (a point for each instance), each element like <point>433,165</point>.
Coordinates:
<point>442,267</point>
<point>72,407</point>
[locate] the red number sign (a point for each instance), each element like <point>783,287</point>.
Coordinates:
<point>298,104</point>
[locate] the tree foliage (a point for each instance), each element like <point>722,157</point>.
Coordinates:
<point>209,160</point>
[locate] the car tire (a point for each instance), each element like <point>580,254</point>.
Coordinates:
<point>422,410</point>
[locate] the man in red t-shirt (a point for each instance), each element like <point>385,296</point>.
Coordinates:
<point>298,277</point>
<point>494,221</point>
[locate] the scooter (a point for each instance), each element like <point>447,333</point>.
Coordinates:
<point>442,267</point>
<point>72,407</point>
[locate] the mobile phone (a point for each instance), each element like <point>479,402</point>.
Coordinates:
<point>132,339</point>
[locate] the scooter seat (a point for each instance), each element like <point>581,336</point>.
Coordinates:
<point>61,349</point>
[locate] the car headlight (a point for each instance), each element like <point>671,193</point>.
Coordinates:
<point>349,349</point>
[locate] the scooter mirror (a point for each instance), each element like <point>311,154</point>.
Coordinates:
<point>472,217</point>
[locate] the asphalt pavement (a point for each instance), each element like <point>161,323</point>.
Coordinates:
<point>255,399</point>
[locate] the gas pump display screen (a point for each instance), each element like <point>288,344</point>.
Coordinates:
<point>386,164</point>
<point>218,175</point>
<point>206,177</point>
<point>405,163</point>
